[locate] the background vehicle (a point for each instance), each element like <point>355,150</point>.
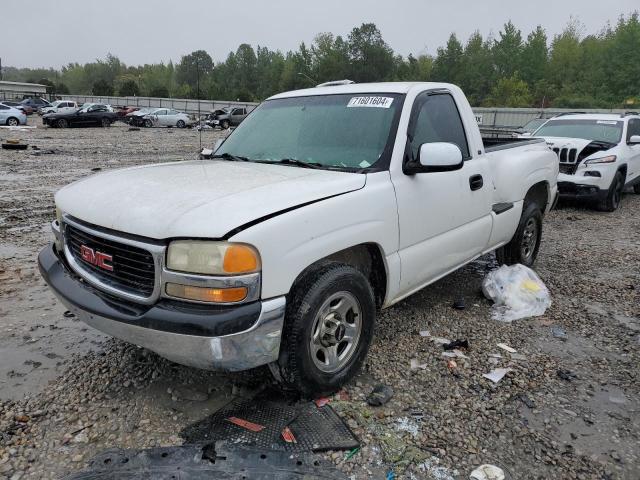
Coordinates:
<point>599,155</point>
<point>12,116</point>
<point>18,105</point>
<point>531,126</point>
<point>34,103</point>
<point>167,117</point>
<point>59,106</point>
<point>95,115</point>
<point>136,118</point>
<point>323,206</point>
<point>227,117</point>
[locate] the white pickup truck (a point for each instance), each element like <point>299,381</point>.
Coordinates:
<point>323,206</point>
<point>599,155</point>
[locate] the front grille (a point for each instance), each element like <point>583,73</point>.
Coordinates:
<point>133,267</point>
<point>568,159</point>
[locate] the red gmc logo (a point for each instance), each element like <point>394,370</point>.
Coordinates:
<point>98,259</point>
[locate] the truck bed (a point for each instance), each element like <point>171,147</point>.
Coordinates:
<point>494,144</point>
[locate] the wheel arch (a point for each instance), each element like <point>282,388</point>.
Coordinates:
<point>538,193</point>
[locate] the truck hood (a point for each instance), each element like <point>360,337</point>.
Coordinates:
<point>204,198</point>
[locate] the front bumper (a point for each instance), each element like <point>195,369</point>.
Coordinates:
<point>581,191</point>
<point>208,337</point>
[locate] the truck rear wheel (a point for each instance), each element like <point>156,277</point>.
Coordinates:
<point>636,188</point>
<point>523,247</point>
<point>328,329</point>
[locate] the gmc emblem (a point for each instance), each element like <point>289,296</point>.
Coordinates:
<point>98,259</point>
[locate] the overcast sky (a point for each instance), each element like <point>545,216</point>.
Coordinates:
<point>52,33</point>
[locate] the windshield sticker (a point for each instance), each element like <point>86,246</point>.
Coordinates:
<point>364,164</point>
<point>607,122</point>
<point>379,102</point>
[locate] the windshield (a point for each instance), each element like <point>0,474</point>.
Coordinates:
<point>334,131</point>
<point>599,130</point>
<point>533,124</point>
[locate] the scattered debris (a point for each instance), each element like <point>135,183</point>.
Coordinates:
<point>96,169</point>
<point>134,129</point>
<point>517,292</point>
<point>440,340</point>
<point>526,400</point>
<point>459,304</point>
<point>452,365</point>
<point>12,144</point>
<point>68,314</point>
<point>351,453</point>
<point>506,347</point>
<point>425,333</point>
<point>497,374</point>
<point>456,345</point>
<point>252,427</point>
<point>487,472</point>
<point>559,332</point>
<point>518,356</point>
<point>565,374</point>
<point>495,355</point>
<point>380,395</point>
<point>454,354</point>
<point>288,436</point>
<point>321,402</point>
<point>415,364</point>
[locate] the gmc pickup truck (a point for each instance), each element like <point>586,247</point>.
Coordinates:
<point>323,206</point>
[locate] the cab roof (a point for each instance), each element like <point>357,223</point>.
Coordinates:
<point>594,116</point>
<point>381,87</point>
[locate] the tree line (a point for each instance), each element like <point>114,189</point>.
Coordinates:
<point>570,69</point>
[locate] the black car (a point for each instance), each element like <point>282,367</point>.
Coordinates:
<point>94,116</point>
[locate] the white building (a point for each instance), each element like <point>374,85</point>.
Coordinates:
<point>13,90</point>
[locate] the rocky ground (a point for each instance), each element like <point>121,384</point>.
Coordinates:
<point>568,409</point>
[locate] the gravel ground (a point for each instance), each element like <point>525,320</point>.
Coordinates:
<point>68,392</point>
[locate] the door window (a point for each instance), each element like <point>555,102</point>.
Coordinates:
<point>2,107</point>
<point>439,121</point>
<point>633,129</point>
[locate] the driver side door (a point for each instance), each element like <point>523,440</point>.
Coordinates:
<point>444,217</point>
<point>633,165</point>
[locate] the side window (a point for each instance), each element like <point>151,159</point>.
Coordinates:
<point>439,121</point>
<point>633,129</point>
<point>2,107</point>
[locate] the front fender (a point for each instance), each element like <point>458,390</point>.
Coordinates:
<point>290,242</point>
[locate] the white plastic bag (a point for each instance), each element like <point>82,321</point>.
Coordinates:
<point>517,292</point>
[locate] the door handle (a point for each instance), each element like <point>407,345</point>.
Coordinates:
<point>476,182</point>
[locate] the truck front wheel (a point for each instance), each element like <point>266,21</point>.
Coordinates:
<point>612,201</point>
<point>328,329</point>
<point>523,247</point>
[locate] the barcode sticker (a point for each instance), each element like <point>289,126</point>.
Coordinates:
<point>377,102</point>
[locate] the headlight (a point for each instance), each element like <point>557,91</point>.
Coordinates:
<point>607,159</point>
<point>212,258</point>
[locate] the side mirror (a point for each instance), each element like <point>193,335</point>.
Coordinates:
<point>634,140</point>
<point>219,142</point>
<point>435,157</point>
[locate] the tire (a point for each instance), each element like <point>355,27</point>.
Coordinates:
<point>636,188</point>
<point>326,306</point>
<point>523,247</point>
<point>612,201</point>
<point>181,124</point>
<point>13,122</point>
<point>105,122</point>
<point>148,123</point>
<point>62,123</point>
<point>225,124</point>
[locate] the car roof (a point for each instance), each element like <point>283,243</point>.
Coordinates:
<point>380,87</point>
<point>590,116</point>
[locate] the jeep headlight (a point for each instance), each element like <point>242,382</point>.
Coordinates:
<point>212,258</point>
<point>607,159</point>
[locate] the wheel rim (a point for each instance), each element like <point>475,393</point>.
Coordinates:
<point>529,239</point>
<point>180,124</point>
<point>12,122</point>
<point>336,332</point>
<point>62,123</point>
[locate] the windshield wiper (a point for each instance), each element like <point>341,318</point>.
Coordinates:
<point>299,163</point>
<point>233,158</point>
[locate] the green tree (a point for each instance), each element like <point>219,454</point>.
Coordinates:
<point>330,58</point>
<point>194,66</point>
<point>534,57</point>
<point>102,88</point>
<point>476,75</point>
<point>159,92</point>
<point>510,92</point>
<point>507,51</point>
<point>447,67</point>
<point>129,88</point>
<point>370,56</point>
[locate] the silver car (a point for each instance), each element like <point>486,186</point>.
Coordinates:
<point>11,116</point>
<point>167,117</point>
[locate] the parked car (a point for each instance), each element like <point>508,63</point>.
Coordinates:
<point>95,115</point>
<point>12,116</point>
<point>18,105</point>
<point>531,126</point>
<point>167,117</point>
<point>227,117</point>
<point>599,155</point>
<point>124,111</point>
<point>136,118</point>
<point>32,104</point>
<point>323,206</point>
<point>59,106</point>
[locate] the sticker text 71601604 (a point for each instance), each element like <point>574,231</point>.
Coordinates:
<point>378,102</point>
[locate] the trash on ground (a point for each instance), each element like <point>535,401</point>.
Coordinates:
<point>351,453</point>
<point>454,354</point>
<point>495,355</point>
<point>217,460</point>
<point>559,332</point>
<point>527,401</point>
<point>506,347</point>
<point>380,395</point>
<point>440,340</point>
<point>134,129</point>
<point>96,169</point>
<point>415,364</point>
<point>459,304</point>
<point>314,428</point>
<point>253,427</point>
<point>456,345</point>
<point>425,333</point>
<point>11,144</point>
<point>288,436</point>
<point>452,365</point>
<point>391,475</point>
<point>487,472</point>
<point>321,402</point>
<point>517,292</point>
<point>497,374</point>
<point>518,356</point>
<point>565,374</point>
